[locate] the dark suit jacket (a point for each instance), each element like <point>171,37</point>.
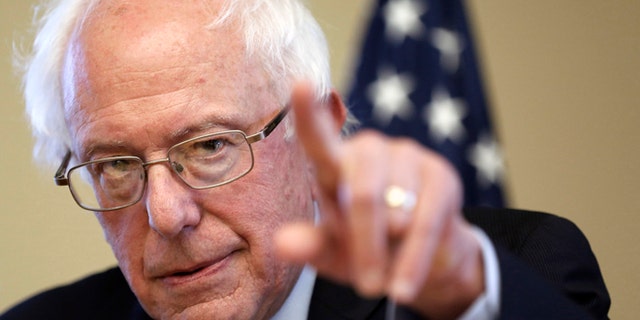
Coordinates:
<point>547,268</point>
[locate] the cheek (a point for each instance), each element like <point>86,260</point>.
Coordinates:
<point>124,231</point>
<point>277,192</point>
<point>268,201</point>
<point>286,186</point>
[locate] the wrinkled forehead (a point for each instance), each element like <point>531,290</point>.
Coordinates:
<point>140,44</point>
<point>125,50</point>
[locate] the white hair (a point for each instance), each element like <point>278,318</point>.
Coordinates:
<point>281,34</point>
<point>42,77</point>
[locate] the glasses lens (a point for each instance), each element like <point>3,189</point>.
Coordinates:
<point>107,183</point>
<point>212,160</point>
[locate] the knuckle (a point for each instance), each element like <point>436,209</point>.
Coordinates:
<point>363,199</point>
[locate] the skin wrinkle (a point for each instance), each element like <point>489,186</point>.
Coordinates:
<point>92,149</point>
<point>129,78</point>
<point>191,107</point>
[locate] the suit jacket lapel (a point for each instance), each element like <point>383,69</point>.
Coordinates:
<point>333,301</point>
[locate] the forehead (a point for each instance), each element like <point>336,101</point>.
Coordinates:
<point>128,55</point>
<point>150,28</point>
<point>134,38</point>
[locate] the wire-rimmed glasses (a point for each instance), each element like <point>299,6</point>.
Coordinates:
<point>203,162</point>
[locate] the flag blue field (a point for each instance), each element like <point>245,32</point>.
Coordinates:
<point>418,76</point>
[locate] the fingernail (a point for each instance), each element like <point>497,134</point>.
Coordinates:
<point>371,282</point>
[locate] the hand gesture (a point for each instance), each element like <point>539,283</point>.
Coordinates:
<point>391,220</point>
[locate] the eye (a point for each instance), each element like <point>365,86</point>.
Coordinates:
<point>119,165</point>
<point>114,167</point>
<point>209,146</point>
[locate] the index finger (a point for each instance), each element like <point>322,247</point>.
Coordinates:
<point>316,130</point>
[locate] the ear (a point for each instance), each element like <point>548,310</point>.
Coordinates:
<point>337,109</point>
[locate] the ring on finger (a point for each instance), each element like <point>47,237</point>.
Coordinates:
<point>396,197</point>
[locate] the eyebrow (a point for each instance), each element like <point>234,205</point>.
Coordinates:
<point>211,122</point>
<point>207,126</point>
<point>90,148</point>
<point>93,147</point>
<point>217,122</point>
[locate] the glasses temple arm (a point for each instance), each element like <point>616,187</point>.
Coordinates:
<point>59,178</point>
<point>266,131</point>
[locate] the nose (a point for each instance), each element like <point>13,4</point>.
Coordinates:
<point>169,202</point>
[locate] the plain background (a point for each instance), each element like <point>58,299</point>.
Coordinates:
<point>563,78</point>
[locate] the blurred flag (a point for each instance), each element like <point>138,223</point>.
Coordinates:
<point>418,77</point>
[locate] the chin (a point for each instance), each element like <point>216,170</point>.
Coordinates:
<point>241,303</point>
<point>214,310</point>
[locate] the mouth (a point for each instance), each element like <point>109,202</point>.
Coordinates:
<point>196,272</point>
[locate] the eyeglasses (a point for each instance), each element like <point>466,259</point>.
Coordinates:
<point>203,162</point>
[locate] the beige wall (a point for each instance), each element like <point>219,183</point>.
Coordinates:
<point>564,80</point>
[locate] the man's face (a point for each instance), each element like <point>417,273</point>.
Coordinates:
<point>141,77</point>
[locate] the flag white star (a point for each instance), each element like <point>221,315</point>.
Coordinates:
<point>389,95</point>
<point>450,45</point>
<point>444,116</point>
<point>402,19</point>
<point>487,158</point>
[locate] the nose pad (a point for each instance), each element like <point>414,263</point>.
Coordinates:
<point>177,167</point>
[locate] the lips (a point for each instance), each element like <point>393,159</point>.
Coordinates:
<point>191,271</point>
<point>194,272</point>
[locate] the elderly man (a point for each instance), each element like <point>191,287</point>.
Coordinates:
<point>206,138</point>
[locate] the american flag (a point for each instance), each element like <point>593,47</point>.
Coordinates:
<point>418,77</point>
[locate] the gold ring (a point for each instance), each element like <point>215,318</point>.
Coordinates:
<point>398,198</point>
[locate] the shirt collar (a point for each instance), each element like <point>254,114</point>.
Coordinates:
<point>297,304</point>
